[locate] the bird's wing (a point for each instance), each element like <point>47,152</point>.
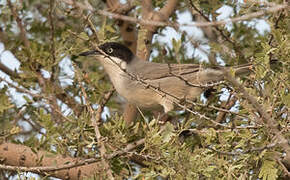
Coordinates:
<point>189,73</point>
<point>174,78</point>
<point>150,71</point>
<point>167,70</point>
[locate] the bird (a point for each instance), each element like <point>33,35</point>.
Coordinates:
<point>151,85</point>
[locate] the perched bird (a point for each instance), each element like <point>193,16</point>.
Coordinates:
<point>151,85</point>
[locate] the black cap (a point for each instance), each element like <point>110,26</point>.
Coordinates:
<point>113,49</point>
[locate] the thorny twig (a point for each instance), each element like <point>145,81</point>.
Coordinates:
<point>207,85</point>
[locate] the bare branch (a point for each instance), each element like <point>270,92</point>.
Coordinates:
<point>102,104</point>
<point>20,25</point>
<point>285,170</point>
<point>75,168</point>
<point>8,71</point>
<point>50,18</point>
<point>19,157</point>
<point>230,103</point>
<point>202,24</point>
<point>168,9</point>
<point>146,8</point>
<point>114,5</point>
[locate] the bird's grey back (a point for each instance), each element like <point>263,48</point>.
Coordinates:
<point>191,72</point>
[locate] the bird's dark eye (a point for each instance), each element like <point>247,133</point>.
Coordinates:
<point>110,50</point>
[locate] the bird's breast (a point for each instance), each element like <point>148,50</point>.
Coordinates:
<point>136,93</point>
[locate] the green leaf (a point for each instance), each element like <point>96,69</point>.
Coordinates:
<point>110,29</point>
<point>232,72</point>
<point>176,45</point>
<point>5,102</point>
<point>286,99</point>
<point>268,170</point>
<point>83,35</point>
<point>168,132</point>
<point>211,135</point>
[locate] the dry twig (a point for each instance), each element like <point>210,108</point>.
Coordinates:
<point>95,124</point>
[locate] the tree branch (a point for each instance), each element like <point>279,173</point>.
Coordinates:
<point>20,25</point>
<point>22,158</point>
<point>102,104</point>
<point>168,9</point>
<point>202,24</point>
<point>8,71</point>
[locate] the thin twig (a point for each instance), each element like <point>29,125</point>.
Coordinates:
<point>19,89</point>
<point>267,119</point>
<point>229,104</point>
<point>102,104</point>
<point>207,85</point>
<point>92,28</point>
<point>19,24</point>
<point>51,23</point>
<point>8,71</point>
<point>285,170</point>
<point>55,67</point>
<point>95,124</point>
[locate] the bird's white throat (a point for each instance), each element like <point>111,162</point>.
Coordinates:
<point>115,68</point>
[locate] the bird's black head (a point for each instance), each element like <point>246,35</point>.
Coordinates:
<point>113,49</point>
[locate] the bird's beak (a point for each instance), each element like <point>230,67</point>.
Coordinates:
<point>90,53</point>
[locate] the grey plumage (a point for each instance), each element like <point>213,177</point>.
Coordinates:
<point>180,80</point>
